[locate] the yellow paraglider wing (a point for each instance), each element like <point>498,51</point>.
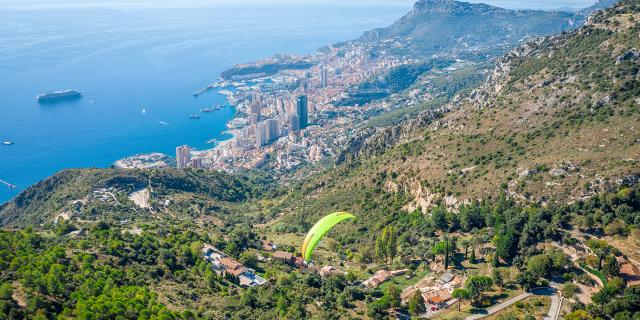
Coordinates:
<point>320,229</point>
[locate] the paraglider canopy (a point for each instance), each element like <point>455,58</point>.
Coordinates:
<point>320,229</point>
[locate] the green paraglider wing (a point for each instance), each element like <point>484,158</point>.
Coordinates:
<point>320,229</point>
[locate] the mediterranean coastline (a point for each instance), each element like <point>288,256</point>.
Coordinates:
<point>137,86</point>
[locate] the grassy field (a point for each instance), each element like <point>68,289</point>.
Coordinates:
<point>402,282</point>
<point>536,306</point>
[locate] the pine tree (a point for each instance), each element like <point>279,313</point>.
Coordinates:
<point>446,254</point>
<point>472,258</point>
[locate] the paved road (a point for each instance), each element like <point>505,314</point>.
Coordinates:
<point>554,309</point>
<point>551,315</point>
<point>501,306</point>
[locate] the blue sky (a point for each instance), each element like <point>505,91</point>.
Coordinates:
<point>512,4</point>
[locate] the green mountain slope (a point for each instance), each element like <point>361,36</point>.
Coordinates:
<point>556,122</point>
<point>96,194</point>
<point>468,30</point>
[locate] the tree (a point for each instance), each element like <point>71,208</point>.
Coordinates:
<point>569,290</point>
<point>446,254</point>
<point>387,243</point>
<point>507,244</point>
<point>416,304</point>
<point>393,295</point>
<point>497,278</point>
<point>578,315</point>
<point>526,280</point>
<point>249,259</point>
<point>461,294</point>
<point>611,267</point>
<point>539,266</point>
<point>601,254</point>
<point>443,248</point>
<point>464,243</point>
<point>477,286</point>
<point>439,218</point>
<point>495,260</point>
<point>472,258</point>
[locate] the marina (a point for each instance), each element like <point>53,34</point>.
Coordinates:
<point>206,89</point>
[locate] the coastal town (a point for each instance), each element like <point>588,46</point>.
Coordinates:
<point>295,110</point>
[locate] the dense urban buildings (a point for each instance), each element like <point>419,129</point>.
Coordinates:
<point>304,115</point>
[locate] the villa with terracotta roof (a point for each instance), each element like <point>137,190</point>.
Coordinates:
<point>227,267</point>
<point>285,257</point>
<point>437,297</point>
<point>382,276</point>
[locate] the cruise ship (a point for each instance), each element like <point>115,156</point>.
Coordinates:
<point>59,96</point>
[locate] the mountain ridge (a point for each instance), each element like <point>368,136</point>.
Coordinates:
<point>468,30</point>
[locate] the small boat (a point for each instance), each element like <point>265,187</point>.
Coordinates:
<point>206,110</point>
<point>7,143</point>
<point>163,123</point>
<point>212,141</point>
<point>193,116</point>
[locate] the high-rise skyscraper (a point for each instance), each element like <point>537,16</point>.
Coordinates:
<point>272,129</point>
<point>302,109</point>
<point>183,156</point>
<point>294,122</point>
<point>261,135</point>
<point>324,75</point>
<point>196,163</point>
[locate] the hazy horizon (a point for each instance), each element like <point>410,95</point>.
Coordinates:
<point>510,4</point>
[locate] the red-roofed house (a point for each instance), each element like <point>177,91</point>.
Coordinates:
<point>284,257</point>
<point>437,297</point>
<point>630,273</point>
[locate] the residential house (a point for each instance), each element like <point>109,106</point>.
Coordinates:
<point>327,271</point>
<point>446,277</point>
<point>629,272</point>
<point>266,246</point>
<point>382,276</point>
<point>284,257</point>
<point>437,297</point>
<point>231,269</point>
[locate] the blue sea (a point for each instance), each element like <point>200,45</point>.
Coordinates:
<point>126,59</point>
